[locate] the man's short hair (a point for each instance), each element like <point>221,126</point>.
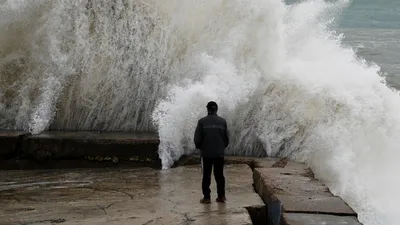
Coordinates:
<point>212,106</point>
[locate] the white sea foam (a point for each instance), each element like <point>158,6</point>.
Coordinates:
<point>282,78</point>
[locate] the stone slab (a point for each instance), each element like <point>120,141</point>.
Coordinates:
<point>92,145</point>
<point>298,191</point>
<point>318,219</point>
<point>9,141</point>
<point>315,204</point>
<point>122,196</point>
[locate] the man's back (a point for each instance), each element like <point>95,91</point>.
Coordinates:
<point>211,136</point>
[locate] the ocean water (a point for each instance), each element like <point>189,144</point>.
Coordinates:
<point>372,28</point>
<point>310,80</point>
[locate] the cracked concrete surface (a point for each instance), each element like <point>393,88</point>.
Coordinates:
<point>122,196</point>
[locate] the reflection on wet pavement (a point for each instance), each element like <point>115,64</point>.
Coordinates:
<point>122,196</point>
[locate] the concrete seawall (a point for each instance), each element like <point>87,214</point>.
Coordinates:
<point>20,150</point>
<point>303,199</point>
<point>291,193</point>
<point>289,190</point>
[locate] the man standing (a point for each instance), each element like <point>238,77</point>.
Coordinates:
<point>211,137</point>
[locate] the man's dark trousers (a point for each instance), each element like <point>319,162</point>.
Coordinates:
<point>207,164</point>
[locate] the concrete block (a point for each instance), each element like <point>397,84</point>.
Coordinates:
<point>297,191</point>
<point>318,219</point>
<point>72,145</point>
<point>9,141</point>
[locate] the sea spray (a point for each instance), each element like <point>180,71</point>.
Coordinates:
<point>314,101</point>
<point>283,80</point>
<point>110,59</point>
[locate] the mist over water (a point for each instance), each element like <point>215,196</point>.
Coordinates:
<point>283,80</point>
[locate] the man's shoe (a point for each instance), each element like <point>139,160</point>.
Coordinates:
<point>205,201</point>
<point>221,199</point>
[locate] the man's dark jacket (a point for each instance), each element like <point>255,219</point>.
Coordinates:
<point>211,136</point>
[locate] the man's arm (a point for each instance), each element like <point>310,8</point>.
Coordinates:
<point>198,135</point>
<point>226,136</point>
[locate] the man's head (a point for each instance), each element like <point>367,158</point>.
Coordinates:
<point>212,107</point>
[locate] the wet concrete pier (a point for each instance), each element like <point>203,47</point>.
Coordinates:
<point>292,188</point>
<point>259,190</point>
<point>126,196</point>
